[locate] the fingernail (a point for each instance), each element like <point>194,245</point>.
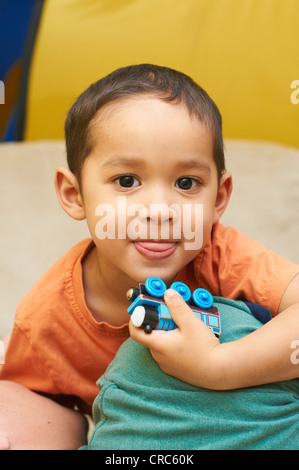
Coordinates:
<point>170,293</point>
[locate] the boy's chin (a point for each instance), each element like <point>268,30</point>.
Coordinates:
<point>166,275</point>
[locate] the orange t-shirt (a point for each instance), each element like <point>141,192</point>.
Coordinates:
<point>235,266</point>
<point>58,349</point>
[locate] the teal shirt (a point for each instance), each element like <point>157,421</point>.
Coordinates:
<point>140,407</point>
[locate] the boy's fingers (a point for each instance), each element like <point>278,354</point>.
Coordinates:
<point>152,340</point>
<point>181,313</point>
<point>4,443</point>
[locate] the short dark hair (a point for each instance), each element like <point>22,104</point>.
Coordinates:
<point>165,83</point>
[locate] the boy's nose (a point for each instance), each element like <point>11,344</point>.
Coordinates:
<point>158,207</point>
<point>160,213</point>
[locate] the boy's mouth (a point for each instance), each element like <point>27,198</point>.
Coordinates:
<point>155,249</point>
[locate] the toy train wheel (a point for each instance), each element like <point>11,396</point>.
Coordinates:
<point>202,298</point>
<point>182,289</point>
<point>155,286</point>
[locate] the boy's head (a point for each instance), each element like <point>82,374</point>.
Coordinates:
<point>146,170</point>
<point>161,82</point>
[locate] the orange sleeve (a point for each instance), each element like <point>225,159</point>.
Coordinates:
<point>57,348</point>
<point>24,366</point>
<point>235,266</point>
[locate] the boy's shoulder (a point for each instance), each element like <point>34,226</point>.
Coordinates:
<point>230,241</point>
<point>227,244</point>
<point>51,290</point>
<point>234,265</point>
<point>223,235</point>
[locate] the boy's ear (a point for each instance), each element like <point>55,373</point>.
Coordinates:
<point>68,193</point>
<point>223,196</point>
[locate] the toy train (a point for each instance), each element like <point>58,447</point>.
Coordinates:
<point>149,311</point>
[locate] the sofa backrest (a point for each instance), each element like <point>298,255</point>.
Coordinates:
<point>244,53</point>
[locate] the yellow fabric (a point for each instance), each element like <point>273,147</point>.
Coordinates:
<point>243,52</point>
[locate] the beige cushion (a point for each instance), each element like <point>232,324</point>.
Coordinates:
<point>265,198</point>
<point>35,231</point>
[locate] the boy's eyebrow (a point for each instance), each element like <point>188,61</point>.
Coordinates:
<point>122,161</point>
<point>200,164</point>
<point>138,162</point>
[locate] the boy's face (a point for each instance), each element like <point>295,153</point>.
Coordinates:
<point>146,153</point>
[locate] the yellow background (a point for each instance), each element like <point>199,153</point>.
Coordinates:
<point>245,53</point>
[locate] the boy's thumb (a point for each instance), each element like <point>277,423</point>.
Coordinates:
<point>181,313</point>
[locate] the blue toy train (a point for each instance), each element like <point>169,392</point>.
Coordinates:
<point>149,311</point>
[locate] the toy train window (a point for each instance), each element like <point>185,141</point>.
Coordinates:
<point>213,321</point>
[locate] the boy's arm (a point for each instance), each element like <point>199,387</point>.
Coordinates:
<point>23,364</point>
<point>291,295</point>
<point>193,354</point>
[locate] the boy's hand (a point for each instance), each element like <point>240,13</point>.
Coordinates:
<point>191,352</point>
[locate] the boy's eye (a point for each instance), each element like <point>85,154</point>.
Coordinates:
<point>127,181</point>
<point>186,183</point>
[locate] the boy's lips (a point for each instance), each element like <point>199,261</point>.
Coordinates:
<point>155,249</point>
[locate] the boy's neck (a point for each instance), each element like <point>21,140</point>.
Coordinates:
<point>105,296</point>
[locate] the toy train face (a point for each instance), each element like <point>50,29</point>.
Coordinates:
<point>149,311</point>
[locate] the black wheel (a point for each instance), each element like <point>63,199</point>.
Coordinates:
<point>147,329</point>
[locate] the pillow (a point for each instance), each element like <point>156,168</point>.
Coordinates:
<point>140,407</point>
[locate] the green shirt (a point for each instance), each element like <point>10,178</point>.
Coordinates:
<point>140,407</point>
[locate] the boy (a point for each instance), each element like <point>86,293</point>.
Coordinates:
<point>143,135</point>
